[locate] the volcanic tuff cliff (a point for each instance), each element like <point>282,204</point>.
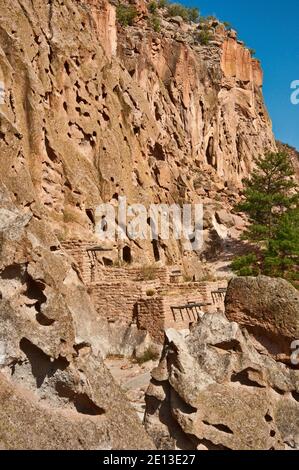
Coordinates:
<point>94,111</point>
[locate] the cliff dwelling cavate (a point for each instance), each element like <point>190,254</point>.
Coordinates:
<point>120,343</point>
<point>127,255</point>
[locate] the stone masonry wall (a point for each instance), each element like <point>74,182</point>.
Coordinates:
<point>155,314</point>
<point>144,295</point>
<point>118,300</point>
<point>93,271</point>
<point>151,317</point>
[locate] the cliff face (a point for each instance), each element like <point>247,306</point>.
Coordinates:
<point>207,100</point>
<point>51,338</point>
<point>92,112</point>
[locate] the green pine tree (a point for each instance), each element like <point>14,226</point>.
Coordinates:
<point>282,255</point>
<point>269,192</point>
<point>271,203</point>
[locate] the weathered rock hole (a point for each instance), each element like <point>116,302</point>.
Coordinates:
<point>268,418</point>
<point>81,401</point>
<point>54,248</point>
<point>107,261</point>
<point>90,215</point>
<point>232,345</point>
<point>156,251</point>
<point>243,379</point>
<point>41,365</point>
<point>67,67</point>
<point>50,152</point>
<point>211,446</point>
<point>81,346</point>
<point>158,152</point>
<point>220,427</point>
<point>280,392</point>
<point>35,290</point>
<point>43,320</point>
<point>127,255</point>
<point>210,153</point>
<point>14,271</point>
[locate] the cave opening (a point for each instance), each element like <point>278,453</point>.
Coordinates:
<point>127,254</point>
<point>90,215</point>
<point>156,250</point>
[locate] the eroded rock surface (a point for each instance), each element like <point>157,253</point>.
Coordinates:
<point>55,392</point>
<point>214,389</point>
<point>94,111</point>
<point>268,308</point>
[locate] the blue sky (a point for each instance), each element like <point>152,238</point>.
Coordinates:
<point>272,29</point>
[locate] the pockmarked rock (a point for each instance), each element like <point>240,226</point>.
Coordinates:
<point>268,308</point>
<point>215,390</point>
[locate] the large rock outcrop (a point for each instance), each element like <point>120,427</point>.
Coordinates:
<point>94,111</point>
<point>215,389</point>
<point>268,308</point>
<point>55,392</point>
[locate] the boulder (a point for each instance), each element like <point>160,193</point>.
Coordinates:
<point>268,308</point>
<point>176,19</point>
<point>215,390</point>
<point>225,218</point>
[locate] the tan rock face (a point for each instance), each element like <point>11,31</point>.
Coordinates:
<point>111,111</point>
<point>293,154</point>
<point>236,62</point>
<point>268,308</point>
<point>93,112</point>
<point>51,346</point>
<point>214,390</point>
<point>104,16</point>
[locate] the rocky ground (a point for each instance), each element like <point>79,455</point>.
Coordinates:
<point>134,379</point>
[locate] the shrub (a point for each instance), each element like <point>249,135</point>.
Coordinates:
<point>246,265</point>
<point>252,52</point>
<point>150,292</point>
<point>153,6</point>
<point>147,273</point>
<point>188,14</point>
<point>193,14</point>
<point>148,355</point>
<point>126,14</point>
<point>156,23</point>
<point>175,9</point>
<point>227,25</point>
<point>203,37</point>
<point>162,3</point>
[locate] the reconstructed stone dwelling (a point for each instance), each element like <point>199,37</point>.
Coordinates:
<point>152,297</point>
